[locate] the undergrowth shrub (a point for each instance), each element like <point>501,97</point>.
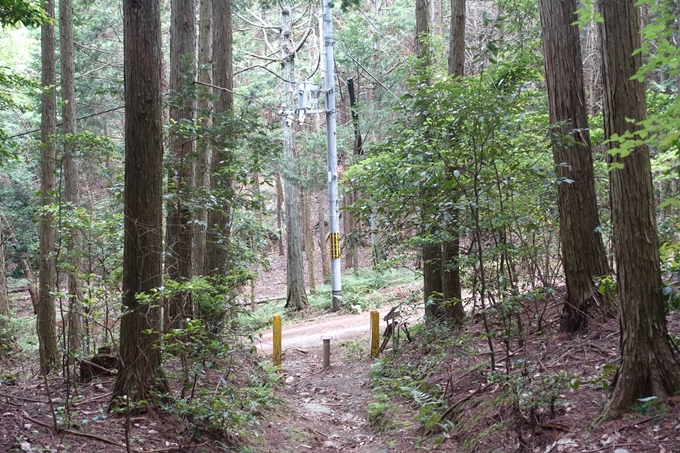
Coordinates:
<point>224,385</point>
<point>379,415</point>
<point>408,381</point>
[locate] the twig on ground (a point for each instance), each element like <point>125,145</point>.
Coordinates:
<point>75,433</point>
<point>104,439</point>
<point>453,407</point>
<point>30,400</point>
<point>89,400</point>
<point>639,422</point>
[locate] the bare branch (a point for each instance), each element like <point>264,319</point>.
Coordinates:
<point>266,42</point>
<point>261,25</point>
<point>85,74</point>
<point>295,21</point>
<point>304,38</point>
<point>262,57</point>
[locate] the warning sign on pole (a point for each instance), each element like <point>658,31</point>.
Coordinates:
<point>335,246</point>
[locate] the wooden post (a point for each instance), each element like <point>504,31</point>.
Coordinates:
<point>375,334</point>
<point>276,354</point>
<point>395,332</point>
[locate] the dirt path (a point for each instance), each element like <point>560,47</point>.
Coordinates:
<point>325,410</point>
<point>307,334</point>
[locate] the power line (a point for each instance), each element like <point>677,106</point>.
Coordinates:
<point>79,118</point>
<point>366,70</point>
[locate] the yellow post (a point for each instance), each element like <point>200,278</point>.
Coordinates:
<point>276,354</point>
<point>375,334</point>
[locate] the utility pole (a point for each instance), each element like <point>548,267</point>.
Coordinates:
<point>329,106</point>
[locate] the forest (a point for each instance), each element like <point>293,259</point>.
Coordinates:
<point>495,181</point>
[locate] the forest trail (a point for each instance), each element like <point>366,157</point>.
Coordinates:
<point>325,410</point>
<point>307,333</point>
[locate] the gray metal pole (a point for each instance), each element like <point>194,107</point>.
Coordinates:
<point>334,220</point>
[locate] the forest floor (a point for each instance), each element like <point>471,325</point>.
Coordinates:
<point>550,406</point>
<point>544,397</point>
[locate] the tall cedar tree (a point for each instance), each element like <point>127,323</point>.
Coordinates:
<point>648,366</point>
<point>4,296</point>
<point>140,368</point>
<point>46,319</point>
<point>201,176</point>
<point>432,263</point>
<point>451,288</point>
<point>178,239</point>
<point>71,168</point>
<point>583,254</point>
<point>219,219</point>
<point>295,272</point>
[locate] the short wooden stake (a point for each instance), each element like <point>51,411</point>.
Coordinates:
<point>276,354</point>
<point>375,334</point>
<point>326,351</point>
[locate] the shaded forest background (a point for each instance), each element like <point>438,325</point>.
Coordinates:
<point>153,163</point>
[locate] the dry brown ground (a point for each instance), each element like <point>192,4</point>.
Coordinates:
<point>325,410</point>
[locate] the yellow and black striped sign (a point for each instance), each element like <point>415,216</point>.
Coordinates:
<point>335,246</point>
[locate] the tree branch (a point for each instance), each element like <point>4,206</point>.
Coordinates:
<point>262,57</point>
<point>304,39</point>
<point>261,25</point>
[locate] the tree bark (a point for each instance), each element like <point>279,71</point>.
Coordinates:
<point>583,253</point>
<point>140,355</point>
<point>201,181</point>
<point>325,260</point>
<point>178,239</point>
<point>279,210</point>
<point>295,277</point>
<point>309,239</point>
<point>46,319</point>
<point>431,252</point>
<point>219,220</point>
<point>677,43</point>
<point>456,64</point>
<point>71,171</point>
<point>28,272</point>
<point>432,280</point>
<point>5,313</point>
<point>349,250</point>
<point>451,287</point>
<point>648,365</point>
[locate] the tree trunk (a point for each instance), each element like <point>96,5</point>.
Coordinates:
<point>457,40</point>
<point>295,277</point>
<point>46,319</point>
<point>201,181</point>
<point>432,280</point>
<point>178,240</point>
<point>309,239</point>
<point>28,272</point>
<point>677,43</point>
<point>4,297</point>
<point>219,220</point>
<point>140,355</point>
<point>436,18</point>
<point>325,260</point>
<point>279,210</point>
<point>583,253</point>
<point>71,172</point>
<point>648,365</point>
<point>422,33</point>
<point>348,229</point>
<point>451,287</point>
<point>255,269</point>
